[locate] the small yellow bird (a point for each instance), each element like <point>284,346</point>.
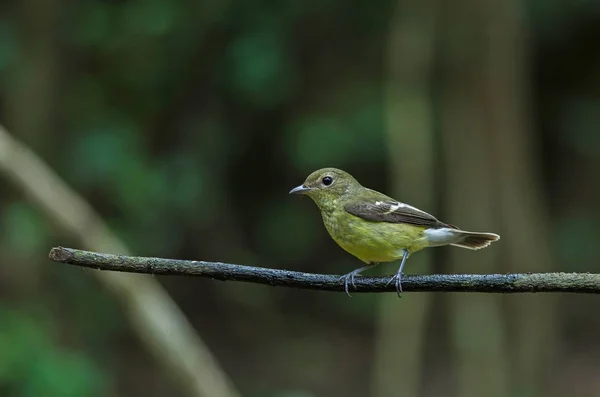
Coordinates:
<point>376,228</point>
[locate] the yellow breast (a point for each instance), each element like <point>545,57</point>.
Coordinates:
<point>373,242</point>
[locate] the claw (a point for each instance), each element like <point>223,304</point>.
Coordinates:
<point>345,278</point>
<point>350,276</point>
<point>397,278</point>
<point>399,284</point>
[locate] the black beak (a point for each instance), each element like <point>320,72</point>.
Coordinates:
<point>300,190</point>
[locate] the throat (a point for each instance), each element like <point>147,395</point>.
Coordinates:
<point>327,207</point>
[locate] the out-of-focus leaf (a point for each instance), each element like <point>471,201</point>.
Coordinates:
<point>184,181</point>
<point>366,124</point>
<point>75,285</point>
<point>137,187</point>
<point>151,17</point>
<point>58,373</point>
<point>105,151</point>
<point>316,142</point>
<point>39,367</point>
<point>209,138</point>
<point>261,69</point>
<point>93,25</point>
<point>86,104</point>
<point>20,338</point>
<point>351,133</point>
<point>7,44</point>
<point>23,229</point>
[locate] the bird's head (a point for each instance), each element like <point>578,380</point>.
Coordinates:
<point>327,185</point>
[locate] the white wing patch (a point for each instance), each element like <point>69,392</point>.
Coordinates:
<point>395,206</point>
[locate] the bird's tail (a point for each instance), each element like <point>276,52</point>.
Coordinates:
<point>475,240</point>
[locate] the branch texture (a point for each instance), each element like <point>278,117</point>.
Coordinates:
<point>490,283</point>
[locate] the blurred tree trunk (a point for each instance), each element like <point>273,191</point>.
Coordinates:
<point>519,197</point>
<point>402,323</point>
<point>30,95</point>
<point>493,184</point>
<point>30,106</point>
<point>479,334</point>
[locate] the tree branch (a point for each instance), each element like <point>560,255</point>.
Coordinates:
<point>490,283</point>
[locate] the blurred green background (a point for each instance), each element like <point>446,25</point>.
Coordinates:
<point>184,125</point>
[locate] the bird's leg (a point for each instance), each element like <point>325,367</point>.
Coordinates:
<point>398,276</point>
<point>350,277</point>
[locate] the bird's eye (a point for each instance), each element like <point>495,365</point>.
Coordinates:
<point>327,180</point>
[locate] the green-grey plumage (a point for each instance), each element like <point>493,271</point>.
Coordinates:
<point>376,228</point>
<point>380,209</point>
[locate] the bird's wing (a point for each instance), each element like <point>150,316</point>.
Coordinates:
<point>392,211</point>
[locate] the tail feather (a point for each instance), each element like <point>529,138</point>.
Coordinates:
<point>476,240</point>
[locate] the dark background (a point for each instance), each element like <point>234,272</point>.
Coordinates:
<point>184,125</point>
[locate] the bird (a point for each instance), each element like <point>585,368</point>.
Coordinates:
<point>376,228</point>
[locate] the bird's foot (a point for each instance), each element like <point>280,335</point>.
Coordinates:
<point>397,279</point>
<point>349,278</point>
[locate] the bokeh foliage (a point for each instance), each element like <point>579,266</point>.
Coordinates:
<point>185,124</point>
